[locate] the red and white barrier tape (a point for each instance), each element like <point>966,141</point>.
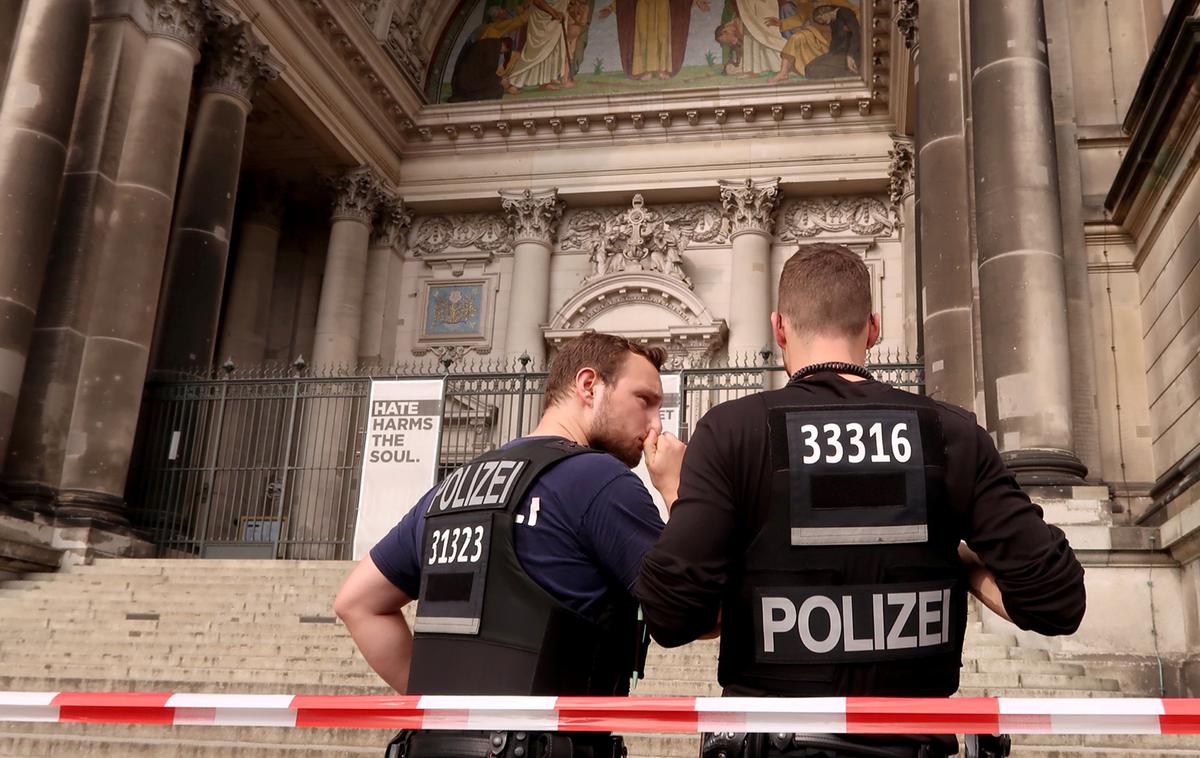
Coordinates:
<point>687,715</point>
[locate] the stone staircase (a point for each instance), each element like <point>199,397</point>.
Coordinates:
<point>266,627</point>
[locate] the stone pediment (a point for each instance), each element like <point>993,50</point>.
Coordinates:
<point>645,306</point>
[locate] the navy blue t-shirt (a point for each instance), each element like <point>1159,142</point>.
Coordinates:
<point>594,523</point>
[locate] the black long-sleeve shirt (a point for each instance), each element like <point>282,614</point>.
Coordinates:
<point>724,496</point>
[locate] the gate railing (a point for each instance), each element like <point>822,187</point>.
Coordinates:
<point>268,467</point>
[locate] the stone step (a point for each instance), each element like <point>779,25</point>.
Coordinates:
<point>68,683</point>
<point>1005,665</point>
<point>80,646</point>
<point>285,681</point>
<point>243,734</point>
<point>93,746</point>
<point>74,663</point>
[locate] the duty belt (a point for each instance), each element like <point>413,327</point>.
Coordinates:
<point>798,745</point>
<point>470,744</point>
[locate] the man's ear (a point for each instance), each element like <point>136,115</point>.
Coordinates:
<point>777,329</point>
<point>873,331</point>
<point>585,385</point>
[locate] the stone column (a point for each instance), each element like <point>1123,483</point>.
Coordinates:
<point>36,112</point>
<point>39,436</point>
<point>534,216</point>
<point>247,314</point>
<point>128,272</point>
<point>943,207</point>
<point>1022,291</point>
<point>750,207</point>
<point>339,316</point>
<point>394,219</point>
<point>285,295</point>
<point>308,300</point>
<point>186,333</point>
<point>1085,414</point>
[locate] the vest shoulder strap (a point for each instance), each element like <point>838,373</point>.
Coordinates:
<point>499,479</point>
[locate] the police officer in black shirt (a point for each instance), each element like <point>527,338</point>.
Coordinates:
<point>821,526</point>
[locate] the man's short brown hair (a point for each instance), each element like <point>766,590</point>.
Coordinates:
<point>606,353</point>
<point>825,289</point>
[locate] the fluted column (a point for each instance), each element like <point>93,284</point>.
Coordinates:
<point>38,443</point>
<point>1022,290</point>
<point>339,315</point>
<point>186,334</point>
<point>393,222</point>
<point>36,112</point>
<point>943,206</point>
<point>247,315</point>
<point>128,273</point>
<point>534,217</point>
<point>750,207</point>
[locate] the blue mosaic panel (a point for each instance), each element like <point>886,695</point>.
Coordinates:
<point>454,309</point>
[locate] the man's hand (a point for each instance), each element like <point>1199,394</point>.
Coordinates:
<point>664,458</point>
<point>772,20</point>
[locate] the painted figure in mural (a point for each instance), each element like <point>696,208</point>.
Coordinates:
<point>845,43</point>
<point>543,60</point>
<point>652,35</point>
<point>579,18</point>
<point>482,65</point>
<point>811,51</point>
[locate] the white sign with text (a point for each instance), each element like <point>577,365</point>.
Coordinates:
<point>399,464</point>
<point>670,423</point>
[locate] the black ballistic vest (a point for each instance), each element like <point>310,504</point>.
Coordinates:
<point>483,627</point>
<point>853,586</point>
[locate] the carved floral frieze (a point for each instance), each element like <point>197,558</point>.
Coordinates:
<point>804,218</point>
<point>488,232</point>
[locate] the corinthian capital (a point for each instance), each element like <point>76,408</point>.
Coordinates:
<point>750,205</point>
<point>394,220</point>
<point>236,63</point>
<point>906,20</point>
<point>533,215</point>
<point>358,192</point>
<point>901,182</point>
<point>182,20</point>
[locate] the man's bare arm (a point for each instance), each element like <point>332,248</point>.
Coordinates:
<point>369,605</point>
<point>982,582</point>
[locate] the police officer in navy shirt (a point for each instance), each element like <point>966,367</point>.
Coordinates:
<point>522,561</point>
<point>822,526</point>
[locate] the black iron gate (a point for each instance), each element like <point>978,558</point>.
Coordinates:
<point>268,467</point>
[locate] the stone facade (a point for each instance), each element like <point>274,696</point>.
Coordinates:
<point>307,204</point>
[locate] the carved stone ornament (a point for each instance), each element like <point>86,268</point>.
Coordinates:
<point>236,63</point>
<point>358,192</point>
<point>804,218</point>
<point>900,174</point>
<point>533,215</point>
<point>433,235</point>
<point>392,224</point>
<point>750,205</point>
<point>369,9</point>
<point>673,316</point>
<point>182,20</point>
<point>906,21</point>
<point>404,46</point>
<point>638,239</point>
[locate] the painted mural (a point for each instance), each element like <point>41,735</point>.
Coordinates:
<point>539,48</point>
